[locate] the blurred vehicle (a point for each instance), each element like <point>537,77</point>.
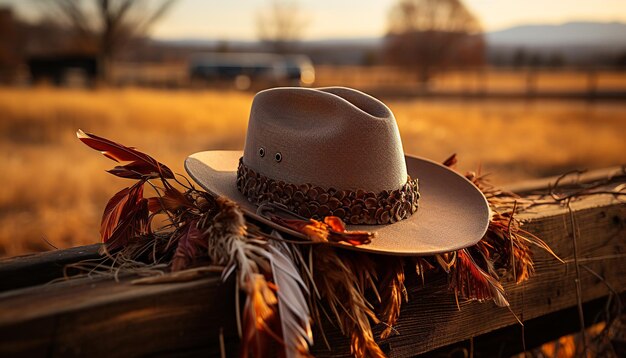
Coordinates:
<point>299,68</point>
<point>251,70</point>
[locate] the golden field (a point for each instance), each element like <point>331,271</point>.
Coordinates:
<point>54,188</point>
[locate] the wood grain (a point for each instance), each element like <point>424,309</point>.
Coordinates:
<point>98,317</point>
<point>34,269</point>
<point>90,317</point>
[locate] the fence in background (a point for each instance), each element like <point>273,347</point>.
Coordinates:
<point>382,80</point>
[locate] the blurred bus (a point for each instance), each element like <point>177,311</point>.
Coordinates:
<point>251,70</point>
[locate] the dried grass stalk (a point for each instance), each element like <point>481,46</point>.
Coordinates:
<point>393,292</point>
<point>342,281</point>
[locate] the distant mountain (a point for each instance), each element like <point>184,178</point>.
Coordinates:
<point>594,34</point>
<point>198,42</point>
<point>568,34</point>
<point>572,43</point>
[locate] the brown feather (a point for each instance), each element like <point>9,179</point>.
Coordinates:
<point>119,208</point>
<point>140,164</point>
<point>189,245</point>
<point>471,282</point>
<point>392,291</point>
<point>133,225</point>
<point>332,229</point>
<point>337,279</point>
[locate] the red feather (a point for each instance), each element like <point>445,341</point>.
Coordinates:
<point>138,170</point>
<point>118,208</point>
<point>172,200</point>
<point>471,282</point>
<point>134,224</point>
<point>451,161</point>
<point>332,229</point>
<point>141,165</point>
<point>190,245</point>
<point>154,205</point>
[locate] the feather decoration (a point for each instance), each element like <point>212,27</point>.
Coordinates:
<point>189,244</point>
<point>259,312</point>
<point>336,279</point>
<point>229,244</point>
<point>509,245</point>
<point>141,165</point>
<point>332,229</point>
<point>393,292</point>
<point>421,267</point>
<point>270,308</point>
<point>451,161</point>
<point>293,307</point>
<point>133,225</point>
<point>471,282</point>
<point>118,208</point>
<point>172,200</point>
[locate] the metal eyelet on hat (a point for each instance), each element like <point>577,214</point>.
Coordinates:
<point>278,157</point>
<point>262,152</point>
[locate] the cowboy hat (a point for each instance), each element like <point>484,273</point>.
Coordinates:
<point>337,151</point>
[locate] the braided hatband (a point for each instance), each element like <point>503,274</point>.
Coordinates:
<point>353,207</point>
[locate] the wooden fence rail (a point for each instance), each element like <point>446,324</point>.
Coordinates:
<point>98,316</point>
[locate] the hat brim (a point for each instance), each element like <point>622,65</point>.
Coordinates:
<point>453,213</point>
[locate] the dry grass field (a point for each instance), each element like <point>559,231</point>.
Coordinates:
<point>54,188</point>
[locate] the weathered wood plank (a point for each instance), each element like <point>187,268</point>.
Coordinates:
<point>101,318</point>
<point>431,319</point>
<point>34,269</point>
<point>614,174</point>
<point>98,317</point>
<point>508,341</point>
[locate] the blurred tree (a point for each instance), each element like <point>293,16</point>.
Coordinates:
<point>107,25</point>
<point>222,46</point>
<point>536,60</point>
<point>280,25</point>
<point>9,50</point>
<point>620,60</point>
<point>520,58</point>
<point>426,36</point>
<point>556,60</point>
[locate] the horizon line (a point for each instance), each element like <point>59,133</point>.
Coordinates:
<point>373,37</point>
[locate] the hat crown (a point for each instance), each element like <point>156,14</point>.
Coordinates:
<point>329,137</point>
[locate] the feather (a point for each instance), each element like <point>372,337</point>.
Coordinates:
<point>141,165</point>
<point>154,204</point>
<point>118,208</point>
<point>258,313</point>
<point>230,245</point>
<point>510,245</point>
<point>171,200</point>
<point>189,245</point>
<point>532,239</point>
<point>292,300</point>
<point>421,267</point>
<point>451,161</point>
<point>133,225</point>
<point>446,260</point>
<point>332,229</point>
<point>471,282</point>
<point>393,292</point>
<point>337,281</point>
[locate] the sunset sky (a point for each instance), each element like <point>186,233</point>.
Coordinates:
<point>236,19</point>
